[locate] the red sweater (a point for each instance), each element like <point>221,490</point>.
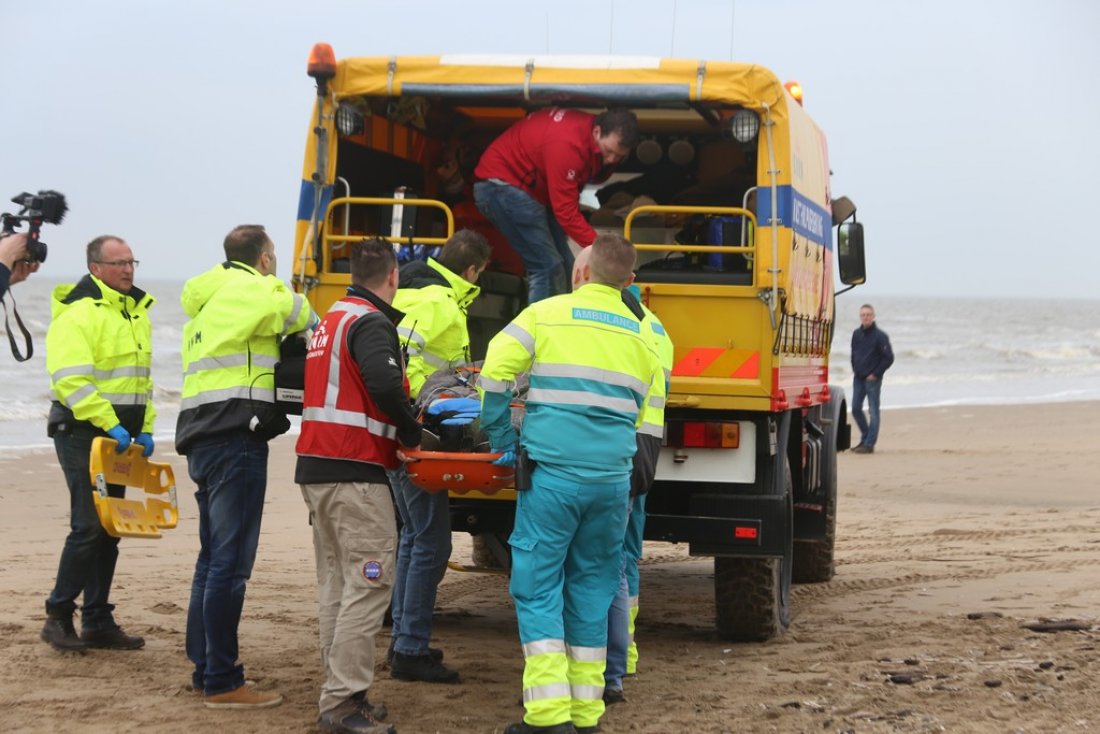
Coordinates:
<point>551,154</point>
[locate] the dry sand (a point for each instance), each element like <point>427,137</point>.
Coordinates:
<point>963,510</point>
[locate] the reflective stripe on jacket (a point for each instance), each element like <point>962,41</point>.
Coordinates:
<point>653,418</point>
<point>98,353</point>
<point>434,300</point>
<point>592,371</point>
<point>340,419</point>
<point>230,347</point>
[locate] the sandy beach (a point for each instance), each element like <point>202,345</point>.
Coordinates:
<point>966,524</point>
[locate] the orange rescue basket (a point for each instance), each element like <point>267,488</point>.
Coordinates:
<point>447,471</point>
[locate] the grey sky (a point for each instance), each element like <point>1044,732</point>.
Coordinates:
<point>965,131</point>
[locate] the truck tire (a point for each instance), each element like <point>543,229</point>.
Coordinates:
<point>814,561</point>
<point>752,595</point>
<point>488,549</point>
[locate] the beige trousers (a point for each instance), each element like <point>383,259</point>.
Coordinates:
<point>355,542</point>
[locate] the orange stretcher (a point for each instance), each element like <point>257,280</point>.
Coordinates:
<point>449,471</point>
<point>132,518</point>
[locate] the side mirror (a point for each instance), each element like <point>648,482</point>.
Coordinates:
<point>849,254</point>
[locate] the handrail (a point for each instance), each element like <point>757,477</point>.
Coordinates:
<point>329,239</point>
<point>669,209</point>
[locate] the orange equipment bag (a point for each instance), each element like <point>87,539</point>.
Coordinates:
<point>447,471</point>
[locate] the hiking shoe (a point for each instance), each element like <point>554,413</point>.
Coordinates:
<point>863,449</point>
<point>422,668</point>
<point>349,718</point>
<point>566,727</point>
<point>112,639</point>
<point>60,633</point>
<point>613,695</point>
<point>435,653</point>
<point>245,697</point>
<point>377,710</point>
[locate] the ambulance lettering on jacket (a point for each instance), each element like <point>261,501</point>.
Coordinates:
<point>606,317</point>
<point>318,342</point>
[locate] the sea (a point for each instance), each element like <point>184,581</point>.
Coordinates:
<point>948,351</point>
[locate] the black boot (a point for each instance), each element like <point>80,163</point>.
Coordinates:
<point>566,727</point>
<point>421,667</point>
<point>377,710</point>
<point>435,653</point>
<point>60,633</point>
<point>112,639</point>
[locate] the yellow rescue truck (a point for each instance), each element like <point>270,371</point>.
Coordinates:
<point>728,200</point>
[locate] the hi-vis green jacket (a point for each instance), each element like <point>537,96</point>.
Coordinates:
<point>230,347</point>
<point>653,422</point>
<point>434,300</point>
<point>594,372</point>
<point>98,353</point>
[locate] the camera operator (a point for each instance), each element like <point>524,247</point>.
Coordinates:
<point>14,266</point>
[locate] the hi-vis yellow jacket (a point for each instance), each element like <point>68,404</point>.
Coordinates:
<point>98,353</point>
<point>230,347</point>
<point>593,370</point>
<point>653,421</point>
<point>434,300</point>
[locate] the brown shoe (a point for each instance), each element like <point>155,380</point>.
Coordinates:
<point>862,449</point>
<point>245,697</point>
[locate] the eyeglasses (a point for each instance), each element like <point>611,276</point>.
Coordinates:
<point>120,263</point>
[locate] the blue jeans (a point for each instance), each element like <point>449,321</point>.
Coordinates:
<point>422,555</point>
<point>871,389</point>
<point>231,474</point>
<point>533,233</point>
<point>88,559</point>
<point>620,636</point>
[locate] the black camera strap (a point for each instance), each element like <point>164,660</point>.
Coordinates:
<point>11,338</point>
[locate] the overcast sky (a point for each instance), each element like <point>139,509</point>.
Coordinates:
<point>966,132</point>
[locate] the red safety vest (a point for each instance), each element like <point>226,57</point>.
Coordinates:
<point>339,419</point>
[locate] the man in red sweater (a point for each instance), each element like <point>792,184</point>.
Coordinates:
<point>529,180</point>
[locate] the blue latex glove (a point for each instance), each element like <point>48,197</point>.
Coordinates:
<point>508,457</point>
<point>121,435</point>
<point>145,440</point>
<point>461,406</point>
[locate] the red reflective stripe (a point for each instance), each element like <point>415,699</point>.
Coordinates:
<point>750,368</point>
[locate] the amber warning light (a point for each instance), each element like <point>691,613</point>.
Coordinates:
<point>796,91</point>
<point>322,62</point>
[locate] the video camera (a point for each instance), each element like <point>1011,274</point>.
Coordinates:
<point>45,207</point>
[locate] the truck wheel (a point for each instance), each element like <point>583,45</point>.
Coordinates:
<point>490,550</point>
<point>813,559</point>
<point>752,595</point>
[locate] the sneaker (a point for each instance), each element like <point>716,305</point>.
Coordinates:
<point>349,718</point>
<point>60,633</point>
<point>566,727</point>
<point>434,652</point>
<point>863,449</point>
<point>613,695</point>
<point>422,668</point>
<point>112,639</point>
<point>245,697</point>
<point>377,710</point>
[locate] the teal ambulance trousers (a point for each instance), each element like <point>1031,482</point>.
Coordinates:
<point>566,559</point>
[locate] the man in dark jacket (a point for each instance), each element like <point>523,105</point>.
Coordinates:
<point>871,357</point>
<point>356,417</point>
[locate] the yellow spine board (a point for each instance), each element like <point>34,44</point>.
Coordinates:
<point>132,518</point>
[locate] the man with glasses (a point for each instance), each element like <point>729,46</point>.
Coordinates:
<point>98,354</point>
<point>529,180</point>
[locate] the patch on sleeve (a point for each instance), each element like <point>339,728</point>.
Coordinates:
<point>372,570</point>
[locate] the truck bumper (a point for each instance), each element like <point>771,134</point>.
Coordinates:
<point>727,525</point>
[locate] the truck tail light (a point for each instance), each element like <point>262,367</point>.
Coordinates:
<point>704,434</point>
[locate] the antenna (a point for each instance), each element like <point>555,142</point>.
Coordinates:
<point>611,30</point>
<point>733,7</point>
<point>672,40</point>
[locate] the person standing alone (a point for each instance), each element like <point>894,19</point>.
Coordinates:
<point>872,355</point>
